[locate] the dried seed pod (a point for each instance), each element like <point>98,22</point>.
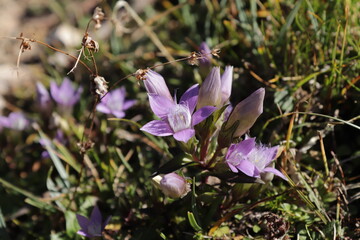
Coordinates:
<point>98,16</point>
<point>193,58</point>
<point>90,43</point>
<point>100,86</point>
<point>140,74</point>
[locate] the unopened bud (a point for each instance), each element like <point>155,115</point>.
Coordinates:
<point>174,186</point>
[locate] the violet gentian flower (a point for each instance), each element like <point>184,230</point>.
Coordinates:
<point>65,94</point>
<point>94,226</point>
<point>43,96</point>
<point>177,119</point>
<point>114,103</point>
<point>15,121</point>
<point>252,159</point>
<point>246,112</point>
<point>205,52</point>
<point>174,186</point>
<point>216,90</point>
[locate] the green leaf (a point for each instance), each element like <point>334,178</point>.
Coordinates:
<point>193,222</point>
<point>3,234</point>
<point>289,20</point>
<point>31,198</point>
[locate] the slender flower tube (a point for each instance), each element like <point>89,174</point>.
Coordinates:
<point>114,103</point>
<point>252,159</point>
<point>94,226</point>
<point>246,112</point>
<point>177,119</point>
<point>65,94</point>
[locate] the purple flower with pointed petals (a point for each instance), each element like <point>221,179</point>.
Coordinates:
<point>177,119</point>
<point>252,159</point>
<point>65,94</point>
<point>94,226</point>
<point>15,121</point>
<point>114,103</point>
<point>43,96</point>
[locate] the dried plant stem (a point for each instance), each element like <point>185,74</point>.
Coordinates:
<point>77,61</point>
<point>323,154</point>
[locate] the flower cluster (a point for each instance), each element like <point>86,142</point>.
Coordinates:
<point>177,119</point>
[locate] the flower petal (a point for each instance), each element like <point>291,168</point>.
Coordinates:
<point>101,107</point>
<point>202,114</point>
<point>210,90</point>
<point>155,84</point>
<point>184,135</point>
<point>54,91</point>
<point>245,146</point>
<point>226,84</point>
<point>190,97</point>
<point>83,221</point>
<point>158,128</point>
<point>248,168</point>
<point>118,113</point>
<point>96,217</point>
<point>160,105</point>
<point>232,167</point>
<point>82,233</point>
<point>276,172</point>
<point>128,104</point>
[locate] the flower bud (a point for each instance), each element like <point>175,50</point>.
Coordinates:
<point>246,112</point>
<point>210,90</point>
<point>174,186</point>
<point>226,84</point>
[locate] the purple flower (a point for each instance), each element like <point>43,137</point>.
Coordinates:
<point>43,96</point>
<point>65,94</point>
<point>216,90</point>
<point>15,121</point>
<point>252,159</point>
<point>94,226</point>
<point>114,103</point>
<point>205,53</point>
<point>246,112</point>
<point>174,186</point>
<point>177,119</point>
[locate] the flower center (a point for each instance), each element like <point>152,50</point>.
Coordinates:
<point>236,157</point>
<point>258,157</point>
<point>179,118</point>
